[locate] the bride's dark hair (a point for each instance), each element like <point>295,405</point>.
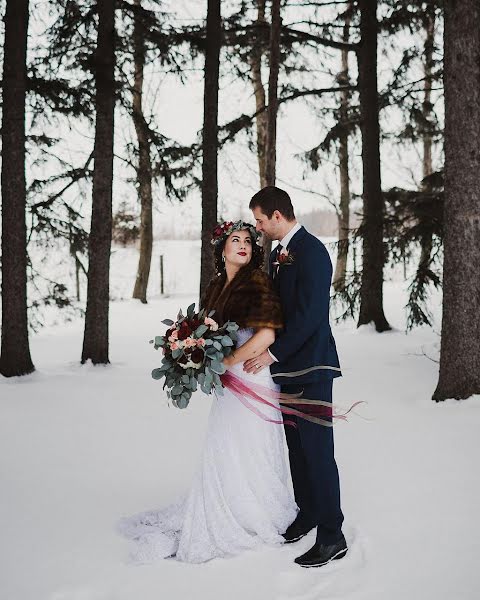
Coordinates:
<point>256,261</point>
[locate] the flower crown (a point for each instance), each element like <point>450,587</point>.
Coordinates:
<point>223,230</point>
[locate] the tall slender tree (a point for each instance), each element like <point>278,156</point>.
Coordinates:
<point>15,356</point>
<point>344,208</point>
<point>95,341</point>
<point>460,342</point>
<point>259,91</point>
<point>144,167</point>
<point>272,109</point>
<point>371,291</point>
<point>429,29</point>
<point>210,140</point>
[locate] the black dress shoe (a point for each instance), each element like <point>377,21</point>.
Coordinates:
<point>296,531</point>
<point>321,554</point>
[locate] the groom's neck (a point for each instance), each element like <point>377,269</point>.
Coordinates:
<point>286,228</point>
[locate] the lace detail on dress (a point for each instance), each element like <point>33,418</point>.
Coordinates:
<point>241,494</point>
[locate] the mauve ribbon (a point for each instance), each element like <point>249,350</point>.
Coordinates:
<point>258,393</point>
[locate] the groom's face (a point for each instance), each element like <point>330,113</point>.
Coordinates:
<point>269,227</point>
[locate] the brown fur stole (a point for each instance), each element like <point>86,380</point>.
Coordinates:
<point>249,300</point>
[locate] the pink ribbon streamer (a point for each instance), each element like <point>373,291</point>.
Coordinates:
<point>258,392</point>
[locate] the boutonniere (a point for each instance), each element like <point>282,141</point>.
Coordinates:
<point>284,258</point>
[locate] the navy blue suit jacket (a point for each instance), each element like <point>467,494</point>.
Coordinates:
<point>305,348</point>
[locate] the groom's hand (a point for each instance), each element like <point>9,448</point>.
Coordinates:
<point>257,364</point>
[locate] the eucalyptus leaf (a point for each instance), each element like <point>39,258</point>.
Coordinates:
<point>217,367</point>
<point>226,341</point>
<point>182,402</point>
<point>159,340</point>
<point>177,353</point>
<point>185,379</point>
<point>201,330</point>
<point>158,373</point>
<point>177,390</point>
<point>217,345</point>
<point>168,322</point>
<point>191,310</point>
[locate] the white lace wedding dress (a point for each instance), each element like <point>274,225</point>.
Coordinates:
<point>241,495</point>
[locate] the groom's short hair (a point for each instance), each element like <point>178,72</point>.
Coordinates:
<point>271,198</point>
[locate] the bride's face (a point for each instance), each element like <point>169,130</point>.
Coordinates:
<point>238,249</point>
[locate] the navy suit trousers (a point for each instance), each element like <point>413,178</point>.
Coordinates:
<point>313,467</point>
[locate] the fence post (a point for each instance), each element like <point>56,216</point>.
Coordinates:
<point>161,275</point>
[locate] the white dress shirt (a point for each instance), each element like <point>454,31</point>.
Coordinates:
<point>284,243</point>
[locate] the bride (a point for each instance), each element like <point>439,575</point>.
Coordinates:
<point>241,495</point>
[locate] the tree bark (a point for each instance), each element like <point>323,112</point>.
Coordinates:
<point>15,356</point>
<point>344,209</point>
<point>371,291</point>
<point>460,343</point>
<point>426,241</point>
<point>95,341</point>
<point>259,91</point>
<point>144,169</point>
<point>210,141</point>
<point>272,110</point>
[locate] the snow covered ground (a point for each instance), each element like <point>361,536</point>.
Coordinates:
<point>82,446</point>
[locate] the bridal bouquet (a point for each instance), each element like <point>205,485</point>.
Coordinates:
<point>193,349</point>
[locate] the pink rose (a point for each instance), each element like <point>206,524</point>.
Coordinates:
<point>174,346</point>
<point>211,323</point>
<point>190,342</point>
<point>201,342</point>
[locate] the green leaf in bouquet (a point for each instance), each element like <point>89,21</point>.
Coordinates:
<point>191,310</point>
<point>158,373</point>
<point>208,342</point>
<point>193,384</point>
<point>208,377</point>
<point>211,352</point>
<point>177,389</point>
<point>168,322</point>
<point>201,378</point>
<point>177,353</point>
<point>201,330</point>
<point>159,340</point>
<point>217,367</point>
<point>180,316</point>
<point>227,341</point>
<point>219,356</point>
<point>217,345</point>
<point>182,401</point>
<point>185,379</point>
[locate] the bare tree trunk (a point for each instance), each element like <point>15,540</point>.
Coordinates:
<point>371,291</point>
<point>15,356</point>
<point>259,91</point>
<point>272,111</point>
<point>95,341</point>
<point>426,241</point>
<point>344,212</point>
<point>144,169</point>
<point>210,141</point>
<point>460,344</point>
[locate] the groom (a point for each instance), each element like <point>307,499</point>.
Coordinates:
<point>304,359</point>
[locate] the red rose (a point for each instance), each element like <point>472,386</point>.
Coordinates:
<point>197,355</point>
<point>185,331</point>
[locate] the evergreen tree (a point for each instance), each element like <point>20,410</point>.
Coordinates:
<point>95,341</point>
<point>15,356</point>
<point>144,167</point>
<point>371,291</point>
<point>210,140</point>
<point>459,375</point>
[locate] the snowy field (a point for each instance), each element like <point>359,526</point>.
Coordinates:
<point>82,446</point>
